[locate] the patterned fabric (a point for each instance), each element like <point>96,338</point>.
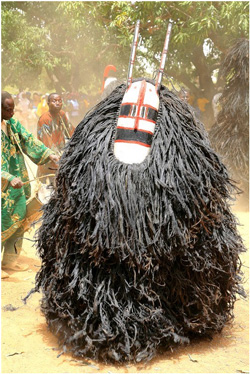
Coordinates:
<point>13,165</point>
<point>51,131</point>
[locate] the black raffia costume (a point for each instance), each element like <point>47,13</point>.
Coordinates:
<point>138,257</point>
<point>230,134</point>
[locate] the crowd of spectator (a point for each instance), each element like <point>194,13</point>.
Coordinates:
<point>29,107</point>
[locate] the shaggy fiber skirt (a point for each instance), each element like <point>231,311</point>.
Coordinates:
<point>230,134</point>
<point>137,258</point>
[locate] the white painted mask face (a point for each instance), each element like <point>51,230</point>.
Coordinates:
<point>139,109</point>
<point>136,122</point>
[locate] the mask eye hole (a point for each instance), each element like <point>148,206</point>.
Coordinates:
<point>152,114</point>
<point>125,110</point>
<point>143,112</point>
<point>133,111</point>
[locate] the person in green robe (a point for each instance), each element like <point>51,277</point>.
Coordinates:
<point>15,192</point>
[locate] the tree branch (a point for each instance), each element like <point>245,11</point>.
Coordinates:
<point>98,57</point>
<point>184,78</point>
<point>58,53</point>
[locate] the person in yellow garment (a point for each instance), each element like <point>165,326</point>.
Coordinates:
<point>16,140</point>
<point>42,107</point>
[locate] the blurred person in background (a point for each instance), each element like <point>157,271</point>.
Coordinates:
<point>24,112</point>
<point>53,129</point>
<point>36,100</point>
<point>186,96</point>
<point>73,109</point>
<point>203,104</point>
<point>21,108</point>
<point>28,96</point>
<point>16,141</point>
<point>83,105</point>
<point>216,103</point>
<point>42,107</point>
<point>65,103</point>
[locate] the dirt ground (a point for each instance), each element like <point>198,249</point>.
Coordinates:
<point>28,347</point>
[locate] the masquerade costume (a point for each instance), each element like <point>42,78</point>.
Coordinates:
<point>230,134</point>
<point>137,257</point>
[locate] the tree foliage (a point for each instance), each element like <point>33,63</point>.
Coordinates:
<point>74,41</point>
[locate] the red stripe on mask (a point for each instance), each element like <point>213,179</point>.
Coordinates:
<point>140,102</point>
<point>132,142</point>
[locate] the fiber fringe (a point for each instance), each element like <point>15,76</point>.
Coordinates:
<point>138,258</point>
<point>230,134</point>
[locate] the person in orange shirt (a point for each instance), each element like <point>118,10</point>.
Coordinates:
<point>201,102</point>
<point>53,129</point>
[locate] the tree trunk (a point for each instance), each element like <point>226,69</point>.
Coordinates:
<point>207,88</point>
